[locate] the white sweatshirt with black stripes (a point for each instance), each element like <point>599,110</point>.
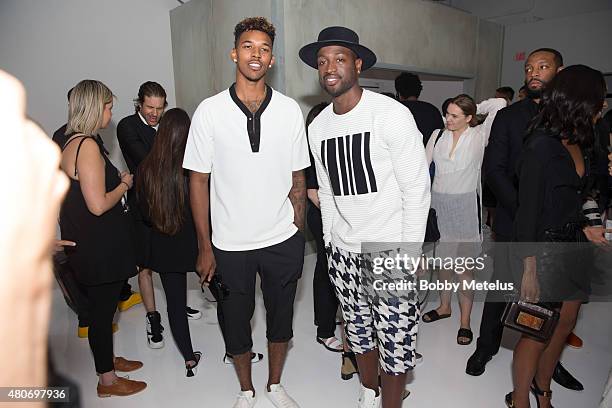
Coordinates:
<point>372,173</point>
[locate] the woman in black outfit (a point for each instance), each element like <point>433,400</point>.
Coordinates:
<point>162,192</point>
<point>553,176</point>
<point>94,217</point>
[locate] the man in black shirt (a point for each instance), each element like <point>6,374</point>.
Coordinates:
<point>427,117</point>
<point>499,166</point>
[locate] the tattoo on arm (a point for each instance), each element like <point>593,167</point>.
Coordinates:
<point>297,196</point>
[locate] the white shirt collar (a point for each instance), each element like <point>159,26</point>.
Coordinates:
<point>145,121</point>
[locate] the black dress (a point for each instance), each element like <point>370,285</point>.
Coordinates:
<point>165,253</point>
<point>550,199</point>
<point>105,250</point>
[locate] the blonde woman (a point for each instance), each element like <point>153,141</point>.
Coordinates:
<point>457,153</point>
<point>93,216</point>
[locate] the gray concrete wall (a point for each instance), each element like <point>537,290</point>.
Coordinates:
<point>405,34</point>
<point>202,39</point>
<point>191,51</point>
<point>488,60</point>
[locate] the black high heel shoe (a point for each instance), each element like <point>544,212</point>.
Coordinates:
<point>349,365</point>
<point>509,401</point>
<point>539,393</point>
<point>191,371</point>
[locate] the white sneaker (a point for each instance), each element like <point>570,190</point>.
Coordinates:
<point>368,398</point>
<point>280,398</point>
<point>245,399</point>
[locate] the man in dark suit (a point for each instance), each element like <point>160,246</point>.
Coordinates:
<point>427,117</point>
<point>505,144</point>
<point>135,134</point>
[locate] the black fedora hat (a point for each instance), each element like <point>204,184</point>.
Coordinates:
<point>337,36</point>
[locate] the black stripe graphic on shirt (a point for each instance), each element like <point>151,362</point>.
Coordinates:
<point>342,166</point>
<point>368,162</point>
<point>332,166</point>
<point>323,155</point>
<point>347,140</point>
<point>346,172</point>
<point>360,181</point>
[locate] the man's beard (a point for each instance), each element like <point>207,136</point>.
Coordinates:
<point>535,93</point>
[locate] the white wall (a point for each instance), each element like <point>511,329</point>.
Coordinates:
<point>582,39</point>
<point>51,45</point>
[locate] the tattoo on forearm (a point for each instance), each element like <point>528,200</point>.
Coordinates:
<point>297,196</point>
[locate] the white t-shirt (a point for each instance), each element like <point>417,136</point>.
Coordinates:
<point>251,158</point>
<point>372,173</point>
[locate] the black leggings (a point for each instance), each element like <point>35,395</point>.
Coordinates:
<point>324,296</point>
<point>175,288</point>
<point>102,305</point>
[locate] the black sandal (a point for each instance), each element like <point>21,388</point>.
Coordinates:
<point>539,393</point>
<point>433,316</point>
<point>464,333</point>
<point>192,370</point>
<point>349,365</point>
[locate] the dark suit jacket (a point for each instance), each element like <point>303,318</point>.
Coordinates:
<point>135,139</point>
<point>500,158</point>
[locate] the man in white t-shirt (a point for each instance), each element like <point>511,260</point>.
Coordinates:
<point>249,140</point>
<point>373,188</point>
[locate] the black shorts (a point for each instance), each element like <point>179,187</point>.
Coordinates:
<point>279,267</point>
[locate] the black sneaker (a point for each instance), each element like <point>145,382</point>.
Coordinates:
<point>193,314</point>
<point>155,339</point>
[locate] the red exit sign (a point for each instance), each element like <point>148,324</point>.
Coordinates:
<point>519,56</point>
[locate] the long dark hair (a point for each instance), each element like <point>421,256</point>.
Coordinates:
<point>160,180</point>
<point>570,102</point>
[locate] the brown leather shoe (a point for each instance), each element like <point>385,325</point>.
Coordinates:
<point>121,388</point>
<point>574,341</point>
<point>121,364</point>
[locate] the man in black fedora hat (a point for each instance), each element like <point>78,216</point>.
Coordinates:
<point>373,187</point>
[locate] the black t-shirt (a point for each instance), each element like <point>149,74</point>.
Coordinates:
<point>426,116</point>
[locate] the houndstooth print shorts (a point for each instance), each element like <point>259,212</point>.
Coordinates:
<point>387,323</point>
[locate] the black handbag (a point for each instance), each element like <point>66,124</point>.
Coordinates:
<point>432,232</point>
<point>537,321</point>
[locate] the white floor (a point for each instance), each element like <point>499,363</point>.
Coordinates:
<point>312,374</point>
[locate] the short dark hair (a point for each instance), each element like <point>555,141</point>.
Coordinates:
<point>408,84</point>
<point>254,23</point>
<point>569,104</point>
<point>507,91</point>
<point>558,57</point>
<point>149,89</point>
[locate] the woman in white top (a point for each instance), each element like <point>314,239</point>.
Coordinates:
<point>457,155</point>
